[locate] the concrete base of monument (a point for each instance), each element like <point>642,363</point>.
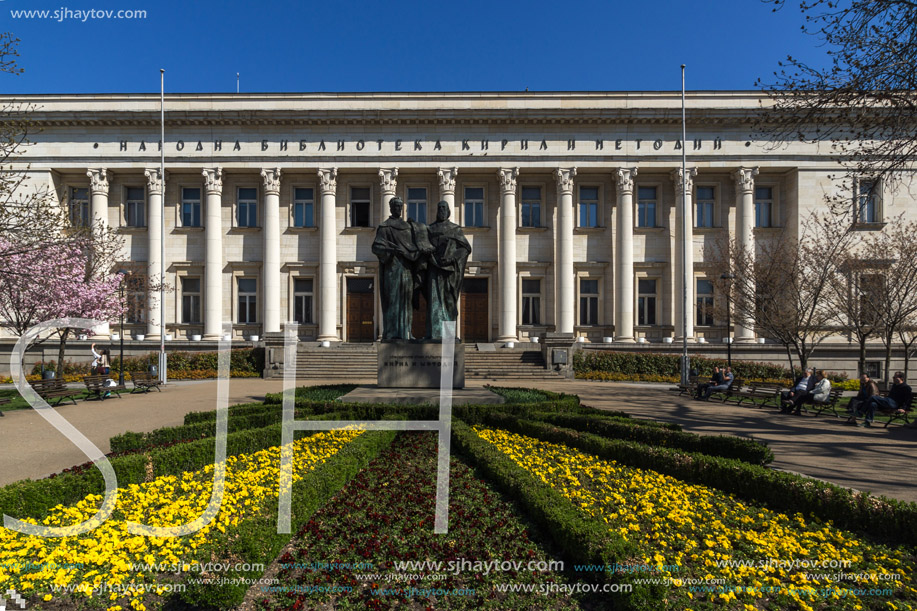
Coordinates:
<point>418,396</point>
<point>407,365</point>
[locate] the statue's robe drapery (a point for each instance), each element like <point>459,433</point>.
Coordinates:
<point>397,251</point>
<point>445,274</point>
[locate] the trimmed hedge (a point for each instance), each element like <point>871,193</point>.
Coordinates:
<point>667,366</point>
<point>580,538</point>
<point>241,410</point>
<point>324,392</point>
<point>257,540</point>
<point>746,450</point>
<point>885,519</point>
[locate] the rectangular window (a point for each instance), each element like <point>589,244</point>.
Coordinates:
<point>303,207</point>
<point>704,298</point>
<point>191,207</point>
<point>531,206</point>
<point>191,300</point>
<point>764,205</point>
<point>247,207</point>
<point>646,301</point>
<point>417,204</point>
<point>474,206</point>
<point>135,207</point>
<point>588,302</point>
<point>248,300</point>
<point>646,206</point>
<point>531,302</point>
<point>588,206</point>
<point>866,203</point>
<point>705,200</point>
<point>79,207</point>
<point>302,300</point>
<point>359,206</point>
<point>871,290</point>
<point>135,296</point>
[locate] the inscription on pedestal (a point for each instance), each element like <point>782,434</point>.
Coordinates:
<point>403,365</point>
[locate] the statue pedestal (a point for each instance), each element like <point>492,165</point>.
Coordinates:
<point>406,365</point>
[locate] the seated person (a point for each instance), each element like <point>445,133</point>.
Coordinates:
<point>722,387</point>
<point>716,379</point>
<point>868,388</point>
<point>819,394</point>
<point>803,385</point>
<point>899,396</point>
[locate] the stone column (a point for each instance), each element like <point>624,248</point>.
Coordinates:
<point>271,243</point>
<point>563,267</point>
<point>155,185</point>
<point>508,315</point>
<point>684,263</point>
<point>745,238</point>
<point>624,257</point>
<point>388,180</point>
<point>447,189</point>
<point>328,262</point>
<point>98,192</point>
<point>213,258</point>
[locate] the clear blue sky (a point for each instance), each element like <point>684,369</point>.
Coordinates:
<point>359,45</point>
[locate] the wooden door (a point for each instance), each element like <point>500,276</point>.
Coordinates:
<point>475,316</point>
<point>360,310</point>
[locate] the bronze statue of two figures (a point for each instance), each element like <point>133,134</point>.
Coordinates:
<point>415,258</point>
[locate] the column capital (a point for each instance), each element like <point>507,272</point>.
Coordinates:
<point>624,178</point>
<point>329,180</point>
<point>507,178</point>
<point>98,181</point>
<point>447,179</point>
<point>679,178</point>
<point>154,180</point>
<point>564,178</point>
<point>388,179</point>
<point>745,179</point>
<point>271,178</point>
<point>213,181</point>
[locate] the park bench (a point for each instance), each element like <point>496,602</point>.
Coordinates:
<point>55,390</point>
<point>762,393</point>
<point>831,403</point>
<point>894,414</point>
<point>98,388</point>
<point>687,389</point>
<point>144,381</point>
<point>730,392</point>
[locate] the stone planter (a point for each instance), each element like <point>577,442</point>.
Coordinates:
<point>195,338</point>
<point>140,337</point>
<point>253,338</point>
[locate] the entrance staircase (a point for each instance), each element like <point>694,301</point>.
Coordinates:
<point>357,362</point>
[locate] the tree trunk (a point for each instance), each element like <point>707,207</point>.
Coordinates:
<point>888,361</point>
<point>60,352</point>
<point>789,355</point>
<point>861,366</point>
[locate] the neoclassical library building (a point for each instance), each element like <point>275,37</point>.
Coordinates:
<point>571,203</point>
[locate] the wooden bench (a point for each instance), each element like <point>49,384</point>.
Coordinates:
<point>894,414</point>
<point>762,393</point>
<point>144,381</point>
<point>55,390</point>
<point>687,389</point>
<point>832,403</point>
<point>98,387</point>
<point>733,390</point>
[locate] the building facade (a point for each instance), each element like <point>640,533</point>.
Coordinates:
<point>572,203</point>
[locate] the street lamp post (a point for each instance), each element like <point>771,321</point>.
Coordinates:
<point>123,275</point>
<point>728,277</point>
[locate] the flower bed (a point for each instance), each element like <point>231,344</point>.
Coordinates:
<point>385,515</point>
<point>687,532</point>
<point>106,555</point>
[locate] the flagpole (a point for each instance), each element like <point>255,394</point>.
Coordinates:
<point>162,220</point>
<point>685,218</point>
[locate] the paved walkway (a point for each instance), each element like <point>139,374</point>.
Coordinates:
<point>879,460</point>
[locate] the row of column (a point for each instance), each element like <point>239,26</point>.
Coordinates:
<point>328,299</point>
